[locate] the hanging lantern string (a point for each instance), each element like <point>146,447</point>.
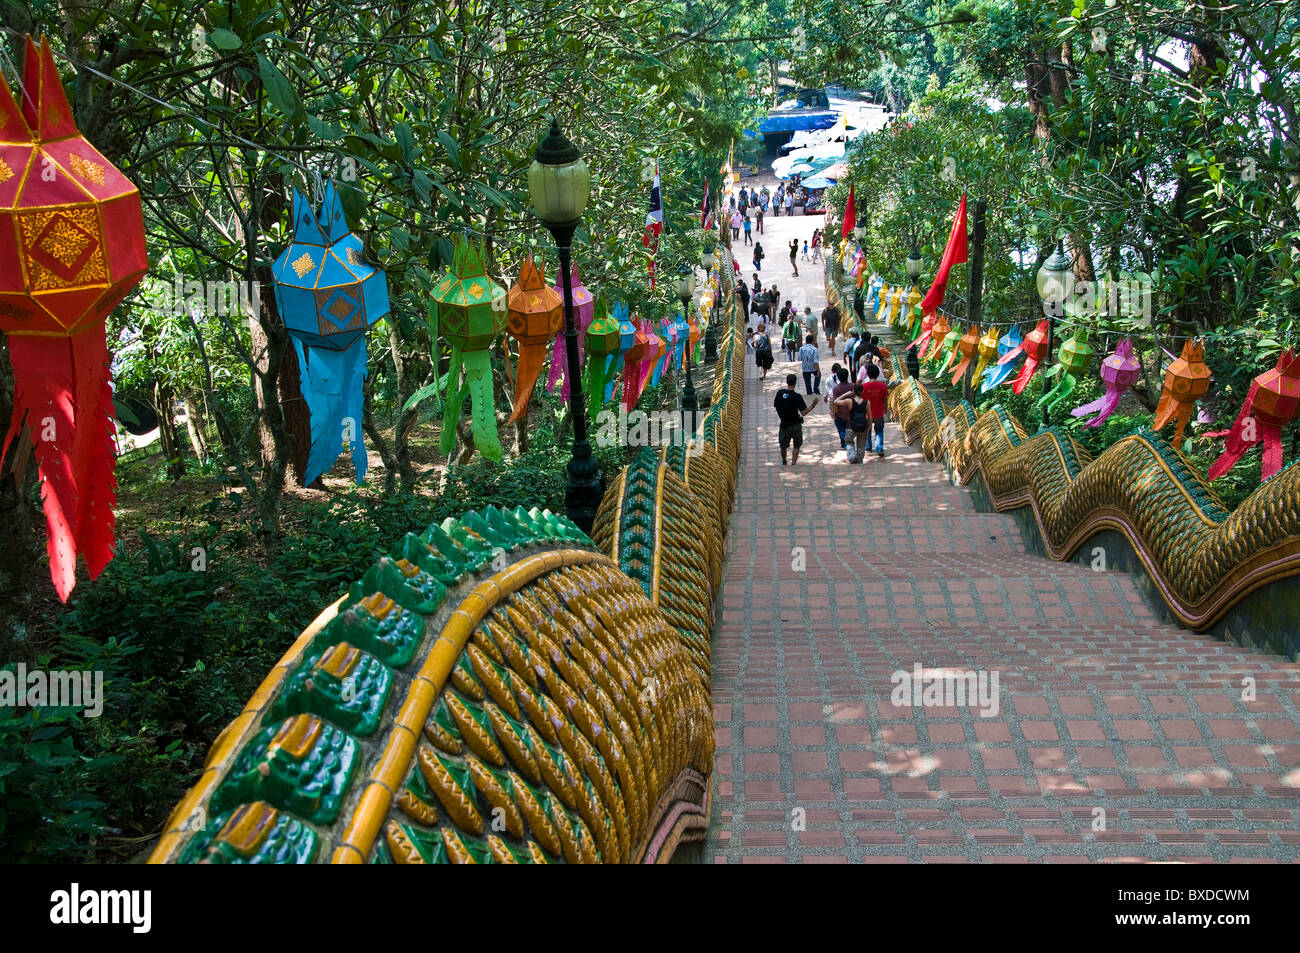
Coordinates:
<point>13,68</point>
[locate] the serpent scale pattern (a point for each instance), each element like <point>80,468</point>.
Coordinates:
<point>495,690</point>
<point>1201,558</point>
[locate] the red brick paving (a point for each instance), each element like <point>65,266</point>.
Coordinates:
<point>1106,715</point>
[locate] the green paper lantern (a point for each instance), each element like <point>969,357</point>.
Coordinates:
<point>471,309</point>
<point>602,349</point>
<point>1073,357</point>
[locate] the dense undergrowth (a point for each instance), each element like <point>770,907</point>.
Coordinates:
<point>183,648</point>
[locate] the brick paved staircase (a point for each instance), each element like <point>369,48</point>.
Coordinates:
<point>1105,714</point>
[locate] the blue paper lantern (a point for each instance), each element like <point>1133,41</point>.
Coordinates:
<point>328,295</point>
<point>626,338</point>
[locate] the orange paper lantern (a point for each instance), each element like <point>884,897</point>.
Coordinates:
<point>534,314</point>
<point>1186,381</point>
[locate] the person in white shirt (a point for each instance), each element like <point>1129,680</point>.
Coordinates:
<point>810,359</point>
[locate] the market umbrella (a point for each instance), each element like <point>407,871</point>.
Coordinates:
<point>816,182</point>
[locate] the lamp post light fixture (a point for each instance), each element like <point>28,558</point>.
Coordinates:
<point>559,184</point>
<point>1055,284</point>
<point>710,341</point>
<point>914,267</point>
<point>685,287</point>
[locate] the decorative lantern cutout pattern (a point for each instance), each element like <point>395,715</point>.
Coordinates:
<point>73,248</point>
<point>1073,357</point>
<point>328,295</point>
<point>1272,402</point>
<point>922,341</point>
<point>584,310</point>
<point>1119,372</point>
<point>637,363</point>
<point>937,337</point>
<point>602,348</point>
<point>987,351</point>
<point>626,341</point>
<point>667,342</point>
<point>966,347</point>
<point>472,311</point>
<point>895,303</point>
<point>1186,381</point>
<point>1035,348</point>
<point>1009,347</point>
<point>534,314</point>
<point>945,347</point>
<point>680,342</point>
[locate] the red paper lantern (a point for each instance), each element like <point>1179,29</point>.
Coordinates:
<point>72,248</point>
<point>1272,403</point>
<point>1035,349</point>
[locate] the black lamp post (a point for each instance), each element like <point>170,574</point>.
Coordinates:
<point>710,342</point>
<point>559,184</point>
<point>1055,283</point>
<point>685,285</point>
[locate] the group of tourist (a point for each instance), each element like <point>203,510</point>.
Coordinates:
<point>757,201</point>
<point>746,220</point>
<point>855,392</point>
<point>745,216</point>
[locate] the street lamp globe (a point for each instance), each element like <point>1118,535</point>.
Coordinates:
<point>707,260</point>
<point>1055,277</point>
<point>685,283</point>
<point>859,232</point>
<point>914,265</point>
<point>559,181</point>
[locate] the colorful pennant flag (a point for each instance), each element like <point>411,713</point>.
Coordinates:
<point>851,213</point>
<point>654,225</point>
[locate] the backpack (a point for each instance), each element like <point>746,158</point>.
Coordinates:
<point>858,417</point>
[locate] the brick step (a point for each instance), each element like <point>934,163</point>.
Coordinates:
<point>1100,703</point>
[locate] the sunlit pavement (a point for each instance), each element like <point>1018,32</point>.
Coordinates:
<point>1116,738</point>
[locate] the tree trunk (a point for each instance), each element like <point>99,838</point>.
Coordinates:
<point>1203,313</point>
<point>194,424</point>
<point>269,354</point>
<point>164,404</point>
<point>407,375</point>
<point>297,416</point>
<point>1047,75</point>
<point>377,440</point>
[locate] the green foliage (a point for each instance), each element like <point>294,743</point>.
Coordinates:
<point>46,812</point>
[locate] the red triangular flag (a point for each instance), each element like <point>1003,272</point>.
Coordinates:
<point>953,254</point>
<point>850,214</point>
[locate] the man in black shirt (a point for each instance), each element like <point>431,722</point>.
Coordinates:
<point>831,324</point>
<point>791,409</point>
<point>868,348</point>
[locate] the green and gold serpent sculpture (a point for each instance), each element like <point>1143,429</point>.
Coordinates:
<point>1200,559</point>
<point>498,689</point>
